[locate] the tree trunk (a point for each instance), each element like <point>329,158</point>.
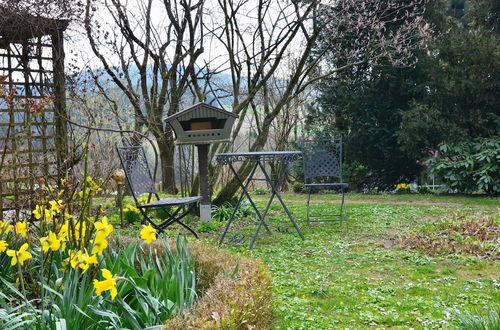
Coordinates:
<point>166,151</point>
<point>230,189</point>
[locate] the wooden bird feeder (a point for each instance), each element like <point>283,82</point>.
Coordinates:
<point>201,125</point>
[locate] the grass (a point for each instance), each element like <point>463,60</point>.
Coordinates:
<point>444,199</point>
<point>363,277</point>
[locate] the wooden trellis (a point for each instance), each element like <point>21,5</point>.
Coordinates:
<point>33,129</point>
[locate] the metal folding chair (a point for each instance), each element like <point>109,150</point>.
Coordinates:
<point>322,161</point>
<point>135,164</point>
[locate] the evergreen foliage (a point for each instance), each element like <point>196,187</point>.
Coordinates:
<point>469,166</point>
<point>392,118</point>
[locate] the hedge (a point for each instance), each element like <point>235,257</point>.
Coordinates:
<point>235,292</point>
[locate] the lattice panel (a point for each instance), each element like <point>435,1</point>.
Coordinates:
<point>27,129</point>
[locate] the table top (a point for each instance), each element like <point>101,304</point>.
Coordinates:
<point>283,156</point>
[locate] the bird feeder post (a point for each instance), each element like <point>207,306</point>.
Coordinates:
<point>205,205</point>
<point>201,125</point>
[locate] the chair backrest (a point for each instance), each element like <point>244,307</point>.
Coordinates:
<point>135,164</point>
<point>322,158</point>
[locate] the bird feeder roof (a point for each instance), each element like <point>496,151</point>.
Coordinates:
<point>197,107</point>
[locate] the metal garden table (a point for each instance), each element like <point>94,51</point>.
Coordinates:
<point>259,160</point>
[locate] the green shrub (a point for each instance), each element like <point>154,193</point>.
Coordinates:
<point>356,174</point>
<point>131,214</point>
<point>163,213</point>
<point>222,213</point>
<point>208,227</point>
<point>299,188</point>
<point>424,190</point>
<point>260,191</point>
<point>469,166</point>
<point>245,210</point>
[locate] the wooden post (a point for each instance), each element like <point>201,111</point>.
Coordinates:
<point>119,200</point>
<point>119,177</point>
<point>60,115</point>
<point>205,207</point>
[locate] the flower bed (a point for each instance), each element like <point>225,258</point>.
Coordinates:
<point>68,269</point>
<point>64,271</point>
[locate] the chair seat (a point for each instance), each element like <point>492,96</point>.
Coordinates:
<point>337,184</point>
<point>173,201</point>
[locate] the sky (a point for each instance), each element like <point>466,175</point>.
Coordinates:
<point>79,52</point>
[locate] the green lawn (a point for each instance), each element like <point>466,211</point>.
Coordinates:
<point>363,277</point>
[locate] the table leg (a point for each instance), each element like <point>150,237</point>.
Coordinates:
<point>275,190</point>
<point>264,214</point>
<point>243,193</point>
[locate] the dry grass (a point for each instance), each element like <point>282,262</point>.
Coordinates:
<point>473,234</point>
<point>239,301</point>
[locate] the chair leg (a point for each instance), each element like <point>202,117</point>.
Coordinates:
<point>343,211</point>
<point>178,220</point>
<point>308,205</point>
<point>148,219</point>
<point>342,205</point>
<point>188,228</point>
<point>171,220</point>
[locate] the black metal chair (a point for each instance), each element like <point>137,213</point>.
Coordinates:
<point>134,162</point>
<point>322,161</point>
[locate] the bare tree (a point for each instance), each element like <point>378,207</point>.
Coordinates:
<point>260,35</point>
<point>149,49</point>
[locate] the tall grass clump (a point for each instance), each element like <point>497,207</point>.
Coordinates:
<point>471,320</point>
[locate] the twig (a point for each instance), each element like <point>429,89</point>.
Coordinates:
<point>120,131</point>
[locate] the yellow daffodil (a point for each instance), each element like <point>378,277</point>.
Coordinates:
<point>38,212</point>
<point>81,259</point>
<point>5,227</point>
<point>80,230</point>
<point>92,187</point>
<point>3,246</point>
<point>21,228</point>
<point>19,256</point>
<point>63,232</point>
<point>96,187</point>
<point>143,200</point>
<point>131,208</point>
<point>50,242</point>
<point>104,226</point>
<point>56,206</point>
<point>100,243</point>
<point>148,233</point>
<point>109,283</point>
<point>41,211</point>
